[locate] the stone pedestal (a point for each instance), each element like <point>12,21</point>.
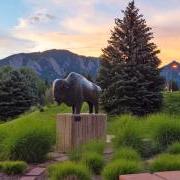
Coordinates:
<point>74,130</point>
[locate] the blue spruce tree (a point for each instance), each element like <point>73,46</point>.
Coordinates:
<point>129,74</point>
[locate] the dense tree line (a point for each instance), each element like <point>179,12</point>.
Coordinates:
<point>19,90</point>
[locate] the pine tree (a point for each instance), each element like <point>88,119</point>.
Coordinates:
<point>35,84</point>
<point>15,94</point>
<point>129,74</point>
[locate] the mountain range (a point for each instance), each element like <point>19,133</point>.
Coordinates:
<point>53,64</point>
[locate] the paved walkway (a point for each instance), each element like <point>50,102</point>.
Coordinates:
<point>37,172</point>
<point>168,175</point>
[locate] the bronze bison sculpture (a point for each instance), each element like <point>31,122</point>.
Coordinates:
<point>74,90</point>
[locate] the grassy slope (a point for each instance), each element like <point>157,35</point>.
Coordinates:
<point>34,121</point>
<point>170,111</point>
<point>47,118</point>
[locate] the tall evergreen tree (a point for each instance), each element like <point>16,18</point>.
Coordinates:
<point>129,74</point>
<point>15,94</point>
<point>35,84</point>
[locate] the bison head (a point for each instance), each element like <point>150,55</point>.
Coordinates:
<point>60,87</point>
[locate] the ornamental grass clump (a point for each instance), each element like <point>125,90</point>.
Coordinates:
<point>165,162</point>
<point>94,161</point>
<point>114,169</point>
<point>174,148</point>
<point>29,137</point>
<point>68,169</point>
<point>92,146</point>
<point>28,143</point>
<point>129,135</point>
<point>166,133</point>
<point>13,167</point>
<point>127,153</point>
<point>75,154</point>
<point>118,122</point>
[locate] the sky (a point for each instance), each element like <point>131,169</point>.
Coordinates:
<point>82,26</point>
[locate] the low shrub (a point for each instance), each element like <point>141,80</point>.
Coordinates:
<point>30,145</point>
<point>3,136</point>
<point>13,167</point>
<point>94,161</point>
<point>113,170</point>
<point>171,103</point>
<point>115,123</point>
<point>174,148</point>
<point>149,148</point>
<point>1,167</point>
<point>166,133</point>
<point>165,162</point>
<point>75,154</point>
<point>94,146</point>
<point>129,135</point>
<point>63,170</point>
<point>126,153</point>
<point>40,130</point>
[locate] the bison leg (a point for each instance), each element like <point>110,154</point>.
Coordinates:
<point>78,108</point>
<point>96,108</point>
<point>73,109</point>
<point>90,107</point>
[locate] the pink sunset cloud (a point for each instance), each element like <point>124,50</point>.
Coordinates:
<point>84,26</point>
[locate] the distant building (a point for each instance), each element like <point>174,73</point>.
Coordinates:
<point>171,74</point>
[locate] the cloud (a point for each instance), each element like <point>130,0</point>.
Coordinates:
<point>41,17</point>
<point>168,40</point>
<point>166,28</point>
<point>86,45</point>
<point>83,26</point>
<point>11,45</point>
<point>83,33</point>
<point>38,17</point>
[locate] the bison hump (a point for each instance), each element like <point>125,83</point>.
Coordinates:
<point>76,78</point>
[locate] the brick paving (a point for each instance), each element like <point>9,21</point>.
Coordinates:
<point>108,152</point>
<point>37,172</point>
<point>28,178</point>
<point>144,176</point>
<point>168,175</point>
<point>97,177</point>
